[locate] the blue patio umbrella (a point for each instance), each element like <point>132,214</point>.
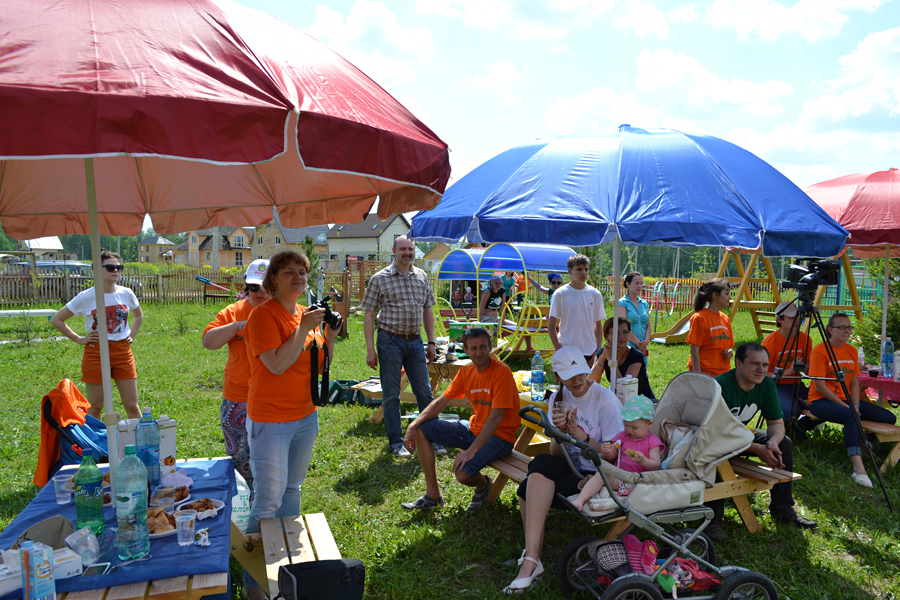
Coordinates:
<point>633,186</point>
<point>651,186</point>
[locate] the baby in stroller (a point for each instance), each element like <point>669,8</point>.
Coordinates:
<point>636,449</point>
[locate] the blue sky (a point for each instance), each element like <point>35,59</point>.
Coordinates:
<point>812,86</point>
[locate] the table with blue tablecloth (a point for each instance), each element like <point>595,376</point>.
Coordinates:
<point>173,570</point>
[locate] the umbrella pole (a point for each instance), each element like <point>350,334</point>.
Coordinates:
<point>110,418</point>
<point>614,354</point>
<point>884,296</point>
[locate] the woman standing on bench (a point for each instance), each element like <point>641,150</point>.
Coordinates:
<point>286,351</point>
<point>586,411</point>
<point>826,398</point>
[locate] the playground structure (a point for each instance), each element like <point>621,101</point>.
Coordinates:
<point>518,324</point>
<point>762,312</point>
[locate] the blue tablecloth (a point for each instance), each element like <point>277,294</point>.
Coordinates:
<point>212,479</point>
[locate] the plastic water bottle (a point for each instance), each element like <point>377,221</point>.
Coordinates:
<point>537,377</point>
<point>887,358</point>
<point>88,483</point>
<point>133,536</point>
<point>861,358</point>
<point>146,437</point>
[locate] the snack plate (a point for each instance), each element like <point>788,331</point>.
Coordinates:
<point>153,536</point>
<point>217,503</point>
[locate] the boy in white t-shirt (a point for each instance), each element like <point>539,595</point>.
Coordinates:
<point>578,312</point>
<point>119,302</point>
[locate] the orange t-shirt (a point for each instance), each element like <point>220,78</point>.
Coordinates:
<point>494,388</point>
<point>237,368</point>
<point>712,332</point>
<point>286,397</point>
<point>820,366</point>
<point>795,352</point>
<point>521,283</point>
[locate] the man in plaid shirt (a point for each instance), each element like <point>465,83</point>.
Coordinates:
<point>404,296</point>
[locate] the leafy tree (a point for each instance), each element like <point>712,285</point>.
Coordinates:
<point>309,248</point>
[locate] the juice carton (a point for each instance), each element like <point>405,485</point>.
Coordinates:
<point>167,435</point>
<point>37,571</point>
<point>626,387</point>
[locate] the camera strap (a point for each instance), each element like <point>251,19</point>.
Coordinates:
<point>319,395</point>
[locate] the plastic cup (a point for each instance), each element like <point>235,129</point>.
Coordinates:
<point>64,486</point>
<point>874,372</point>
<point>165,497</point>
<point>184,526</point>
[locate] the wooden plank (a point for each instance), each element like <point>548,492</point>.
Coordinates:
<point>207,584</point>
<point>274,550</point>
<point>323,541</point>
<point>750,471</point>
<point>129,591</point>
<point>885,432</point>
<point>86,595</point>
<point>248,551</point>
<point>171,588</point>
<point>729,489</point>
<point>617,529</point>
<point>742,504</point>
<point>891,458</point>
<point>500,482</point>
<point>299,546</point>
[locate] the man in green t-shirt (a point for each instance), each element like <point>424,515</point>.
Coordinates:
<point>746,390</point>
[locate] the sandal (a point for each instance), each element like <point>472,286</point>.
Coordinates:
<point>424,503</point>
<point>523,584</point>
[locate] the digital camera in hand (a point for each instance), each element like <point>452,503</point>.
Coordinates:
<point>333,319</point>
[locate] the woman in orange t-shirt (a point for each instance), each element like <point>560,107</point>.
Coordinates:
<point>710,335</point>
<point>827,400</point>
<point>282,422</point>
<point>228,328</point>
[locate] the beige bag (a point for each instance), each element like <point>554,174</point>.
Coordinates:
<point>51,532</point>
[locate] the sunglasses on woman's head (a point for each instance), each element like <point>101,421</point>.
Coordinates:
<point>253,287</point>
<point>114,268</point>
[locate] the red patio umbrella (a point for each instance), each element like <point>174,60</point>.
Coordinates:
<point>199,113</point>
<point>868,206</point>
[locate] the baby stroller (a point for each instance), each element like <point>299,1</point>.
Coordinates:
<point>700,432</point>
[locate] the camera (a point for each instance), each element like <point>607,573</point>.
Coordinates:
<point>807,279</point>
<point>333,319</point>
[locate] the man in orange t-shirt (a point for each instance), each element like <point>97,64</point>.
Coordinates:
<point>788,346</point>
<point>228,328</point>
<point>489,435</point>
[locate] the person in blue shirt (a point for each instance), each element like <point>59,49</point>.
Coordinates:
<point>637,310</point>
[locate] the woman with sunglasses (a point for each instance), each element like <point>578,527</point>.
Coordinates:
<point>826,397</point>
<point>118,301</point>
<point>555,281</point>
<point>228,328</point>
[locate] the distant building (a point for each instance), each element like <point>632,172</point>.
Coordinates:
<point>46,248</point>
<point>235,247</point>
<point>274,237</point>
<point>155,249</point>
<point>434,256</point>
<point>373,239</point>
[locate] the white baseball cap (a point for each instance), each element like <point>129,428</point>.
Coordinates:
<point>786,309</point>
<point>256,271</point>
<point>568,362</point>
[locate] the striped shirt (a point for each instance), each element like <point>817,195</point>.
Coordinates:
<point>401,298</point>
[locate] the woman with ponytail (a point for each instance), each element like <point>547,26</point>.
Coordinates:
<point>710,335</point>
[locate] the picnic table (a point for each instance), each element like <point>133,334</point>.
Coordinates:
<point>882,385</point>
<point>173,572</point>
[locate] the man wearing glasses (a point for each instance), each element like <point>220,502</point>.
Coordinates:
<point>746,390</point>
<point>402,296</point>
<point>488,436</point>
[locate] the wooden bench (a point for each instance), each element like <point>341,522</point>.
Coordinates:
<point>210,291</point>
<point>885,432</point>
<point>530,442</point>
<point>282,541</point>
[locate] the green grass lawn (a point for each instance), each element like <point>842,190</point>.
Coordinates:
<point>855,552</point>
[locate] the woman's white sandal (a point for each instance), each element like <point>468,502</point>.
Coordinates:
<point>524,584</point>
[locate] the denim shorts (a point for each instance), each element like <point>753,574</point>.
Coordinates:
<point>456,434</point>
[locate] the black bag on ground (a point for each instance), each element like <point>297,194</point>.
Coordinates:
<point>341,579</point>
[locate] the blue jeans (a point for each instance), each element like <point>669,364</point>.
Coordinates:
<point>840,413</point>
<point>395,353</point>
<point>279,458</point>
<point>456,434</point>
<point>786,398</point>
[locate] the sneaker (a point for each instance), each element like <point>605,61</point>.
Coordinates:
<point>399,450</point>
<point>793,517</point>
<point>439,450</point>
<point>862,479</point>
<point>424,503</point>
<point>479,499</point>
<point>715,532</point>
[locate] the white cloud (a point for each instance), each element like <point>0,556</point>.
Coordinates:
<point>484,14</point>
<point>499,75</point>
<point>510,100</point>
<point>665,69</point>
<point>535,31</point>
<point>644,18</point>
<point>813,20</point>
<point>868,91</point>
<point>372,39</point>
<point>603,108</point>
<point>683,14</point>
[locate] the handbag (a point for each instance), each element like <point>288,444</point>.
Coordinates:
<point>340,579</point>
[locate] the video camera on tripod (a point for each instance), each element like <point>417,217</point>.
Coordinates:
<point>807,279</point>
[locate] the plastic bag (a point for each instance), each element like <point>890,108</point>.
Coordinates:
<point>84,543</point>
<point>240,504</point>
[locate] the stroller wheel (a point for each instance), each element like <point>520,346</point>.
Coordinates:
<point>634,586</point>
<point>702,546</point>
<point>747,585</point>
<point>574,561</point>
